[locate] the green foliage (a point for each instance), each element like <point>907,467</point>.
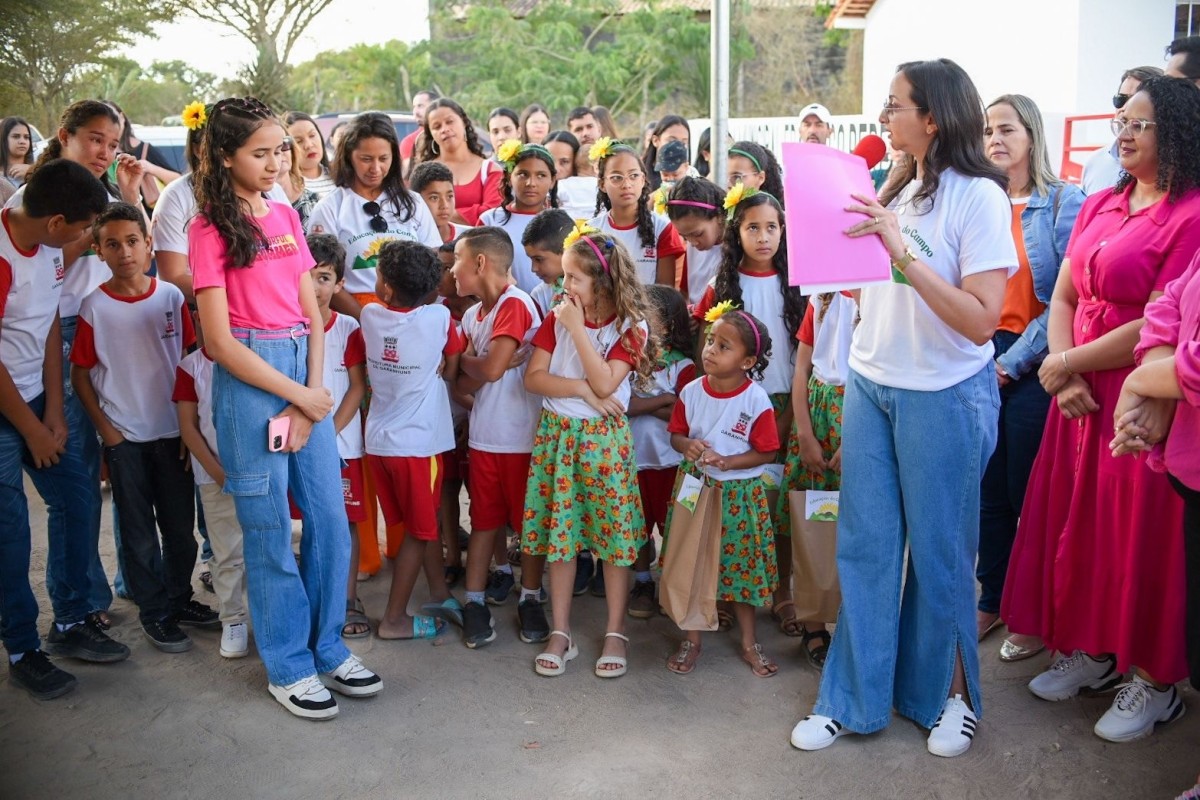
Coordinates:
<point>363,77</point>
<point>149,95</point>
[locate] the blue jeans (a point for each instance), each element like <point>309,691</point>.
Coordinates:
<point>1023,408</point>
<point>911,466</point>
<point>63,486</point>
<point>297,612</point>
<point>83,442</point>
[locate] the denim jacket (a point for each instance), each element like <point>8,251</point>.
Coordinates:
<point>1046,225</point>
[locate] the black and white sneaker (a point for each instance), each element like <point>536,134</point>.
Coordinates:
<point>816,732</point>
<point>306,698</point>
<point>197,615</point>
<point>532,618</point>
<point>167,636</point>
<point>86,642</point>
<point>352,679</point>
<point>34,673</point>
<point>954,730</point>
<point>479,628</point>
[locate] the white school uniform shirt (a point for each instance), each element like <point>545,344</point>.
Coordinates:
<point>830,335</point>
<point>132,345</point>
<point>504,418</point>
<point>666,243</point>
<point>900,342</point>
<point>31,282</point>
<point>344,348</point>
<point>732,423</point>
<point>410,408</point>
<point>651,440</point>
<point>701,271</point>
<point>341,213</point>
<point>608,340</point>
<point>193,382</point>
<point>522,267</point>
<point>762,297</point>
<point>577,196</point>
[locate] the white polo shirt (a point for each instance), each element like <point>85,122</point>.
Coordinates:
<point>31,282</point>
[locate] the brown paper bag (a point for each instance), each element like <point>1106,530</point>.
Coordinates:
<point>815,587</point>
<point>688,590</point>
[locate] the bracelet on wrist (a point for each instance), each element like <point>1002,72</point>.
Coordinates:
<point>1066,364</point>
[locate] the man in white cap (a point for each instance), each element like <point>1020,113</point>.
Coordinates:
<point>816,124</point>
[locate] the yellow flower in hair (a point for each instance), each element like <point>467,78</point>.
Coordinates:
<point>581,229</point>
<point>601,149</point>
<point>194,116</point>
<point>736,195</point>
<point>660,201</point>
<point>507,154</point>
<point>720,309</point>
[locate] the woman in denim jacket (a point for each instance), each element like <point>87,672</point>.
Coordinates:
<point>1044,211</point>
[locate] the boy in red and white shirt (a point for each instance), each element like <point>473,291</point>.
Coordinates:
<point>132,333</point>
<point>409,424</point>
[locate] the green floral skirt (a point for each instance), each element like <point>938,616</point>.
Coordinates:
<point>825,411</point>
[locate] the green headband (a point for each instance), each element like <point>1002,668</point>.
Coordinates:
<point>736,151</point>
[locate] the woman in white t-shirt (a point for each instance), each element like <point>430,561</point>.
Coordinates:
<point>919,425</point>
<point>370,207</point>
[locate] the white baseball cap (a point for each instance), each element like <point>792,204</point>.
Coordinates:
<point>816,110</point>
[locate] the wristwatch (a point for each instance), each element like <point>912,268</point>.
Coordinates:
<point>903,261</point>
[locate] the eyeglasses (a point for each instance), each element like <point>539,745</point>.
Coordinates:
<point>890,110</point>
<point>372,209</point>
<point>1135,126</point>
<point>1119,100</point>
<point>286,147</point>
<point>619,180</point>
<point>740,177</point>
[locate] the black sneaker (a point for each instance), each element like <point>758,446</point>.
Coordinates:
<point>499,587</point>
<point>35,674</point>
<point>532,617</point>
<point>197,615</point>
<point>478,627</point>
<point>167,636</point>
<point>598,582</point>
<point>86,642</point>
<point>585,567</point>
<point>641,600</point>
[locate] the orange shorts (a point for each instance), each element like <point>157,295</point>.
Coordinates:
<point>409,489</point>
<point>497,485</point>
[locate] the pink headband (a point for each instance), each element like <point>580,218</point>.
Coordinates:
<point>695,203</point>
<point>599,255</point>
<point>754,327</point>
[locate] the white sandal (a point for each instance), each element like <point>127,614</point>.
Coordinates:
<point>559,662</point>
<point>622,664</point>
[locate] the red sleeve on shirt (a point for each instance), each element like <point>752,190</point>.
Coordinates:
<point>83,352</point>
<point>407,144</point>
<point>6,279</point>
<point>669,243</point>
<point>706,302</point>
<point>807,332</point>
<point>512,319</point>
<point>491,196</point>
<point>764,433</point>
<point>628,347</point>
<point>678,423</point>
<point>686,376</point>
<point>454,341</point>
<point>356,349</point>
<point>546,338</point>
<point>683,277</point>
<point>189,330</point>
<point>185,387</point>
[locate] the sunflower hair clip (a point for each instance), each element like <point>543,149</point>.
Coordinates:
<point>581,229</point>
<point>601,149</point>
<point>507,154</point>
<point>660,201</point>
<point>719,310</point>
<point>735,196</point>
<point>194,116</point>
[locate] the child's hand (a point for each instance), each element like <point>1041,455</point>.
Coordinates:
<point>695,450</point>
<point>57,423</point>
<point>112,440</point>
<point>607,406</point>
<point>810,453</point>
<point>470,349</point>
<point>570,313</point>
<point>711,458</point>
<point>301,429</point>
<point>316,404</point>
<point>835,462</point>
<point>520,355</point>
<point>43,447</point>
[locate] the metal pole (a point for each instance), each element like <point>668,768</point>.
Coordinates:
<point>719,100</point>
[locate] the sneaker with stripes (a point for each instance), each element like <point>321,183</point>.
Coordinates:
<point>816,732</point>
<point>951,735</point>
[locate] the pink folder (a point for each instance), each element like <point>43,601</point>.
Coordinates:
<point>817,184</point>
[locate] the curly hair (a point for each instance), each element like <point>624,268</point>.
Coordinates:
<point>232,121</point>
<point>1176,104</point>
<point>374,125</point>
<point>765,160</point>
<point>942,89</point>
<point>427,143</point>
<point>619,285</point>
<point>527,152</point>
<point>692,197</point>
<point>410,269</point>
<point>645,217</point>
<point>671,309</point>
<point>756,339</point>
<point>728,284</point>
<point>77,115</point>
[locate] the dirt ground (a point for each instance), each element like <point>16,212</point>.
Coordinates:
<point>452,723</point>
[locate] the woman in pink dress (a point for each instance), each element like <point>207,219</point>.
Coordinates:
<point>1097,568</point>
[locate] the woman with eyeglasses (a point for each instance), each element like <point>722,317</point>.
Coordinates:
<point>1103,168</point>
<point>1097,570</point>
<point>370,206</point>
<point>919,425</point>
<point>1043,213</point>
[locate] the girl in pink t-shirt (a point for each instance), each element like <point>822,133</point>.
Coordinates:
<point>250,270</point>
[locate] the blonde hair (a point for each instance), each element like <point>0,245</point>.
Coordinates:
<point>1041,174</point>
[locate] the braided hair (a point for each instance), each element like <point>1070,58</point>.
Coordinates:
<point>645,217</point>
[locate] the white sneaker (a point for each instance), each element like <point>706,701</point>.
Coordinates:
<point>951,735</point>
<point>816,732</point>
<point>306,698</point>
<point>353,679</point>
<point>1070,674</point>
<point>235,640</point>
<point>1135,710</point>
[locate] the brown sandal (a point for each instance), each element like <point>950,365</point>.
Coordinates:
<point>684,660</point>
<point>789,624</point>
<point>760,665</point>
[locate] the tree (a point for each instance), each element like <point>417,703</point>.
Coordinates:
<point>273,27</point>
<point>149,95</point>
<point>382,76</point>
<point>46,45</point>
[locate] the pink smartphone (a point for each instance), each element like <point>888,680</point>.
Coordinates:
<point>277,433</point>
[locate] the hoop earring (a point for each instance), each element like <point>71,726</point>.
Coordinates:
<point>433,146</point>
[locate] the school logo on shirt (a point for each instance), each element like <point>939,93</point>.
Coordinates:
<point>60,272</point>
<point>650,252</point>
<point>347,493</point>
<point>391,353</point>
<point>370,257</point>
<point>169,328</point>
<point>741,429</point>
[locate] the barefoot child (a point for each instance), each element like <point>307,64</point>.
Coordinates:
<point>543,243</point>
<point>724,426</point>
<point>528,187</point>
<point>493,367</point>
<point>409,424</point>
<point>582,491</point>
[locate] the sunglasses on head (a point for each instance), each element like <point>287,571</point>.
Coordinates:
<point>372,209</point>
<point>1119,100</point>
<point>286,147</point>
